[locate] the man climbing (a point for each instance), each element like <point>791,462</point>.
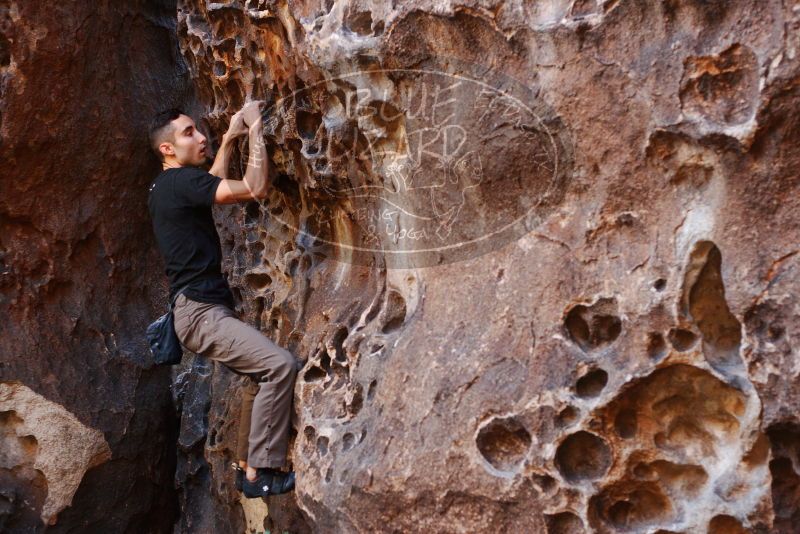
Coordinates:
<point>180,201</point>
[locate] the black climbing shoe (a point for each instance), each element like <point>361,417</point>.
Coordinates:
<point>239,475</point>
<point>268,482</point>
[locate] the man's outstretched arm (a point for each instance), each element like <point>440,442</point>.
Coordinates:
<point>254,185</point>
<point>222,161</point>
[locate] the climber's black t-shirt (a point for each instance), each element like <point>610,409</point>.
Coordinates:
<point>180,201</point>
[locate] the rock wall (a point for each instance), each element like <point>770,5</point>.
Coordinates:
<point>87,426</point>
<point>540,258</point>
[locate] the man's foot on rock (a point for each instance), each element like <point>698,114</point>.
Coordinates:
<point>250,473</point>
<point>268,482</point>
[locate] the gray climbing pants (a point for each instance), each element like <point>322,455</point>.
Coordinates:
<point>214,331</point>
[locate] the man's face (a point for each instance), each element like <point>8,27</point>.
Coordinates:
<point>189,145</point>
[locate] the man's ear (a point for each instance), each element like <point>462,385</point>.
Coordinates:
<point>167,149</point>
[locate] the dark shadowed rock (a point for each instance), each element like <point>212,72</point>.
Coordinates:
<point>87,426</point>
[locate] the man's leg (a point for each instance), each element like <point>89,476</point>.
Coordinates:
<point>214,331</point>
<point>274,370</point>
<point>249,391</point>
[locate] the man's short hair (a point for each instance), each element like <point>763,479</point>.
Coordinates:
<point>160,129</point>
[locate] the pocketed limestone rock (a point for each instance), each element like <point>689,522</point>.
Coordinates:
<point>538,259</point>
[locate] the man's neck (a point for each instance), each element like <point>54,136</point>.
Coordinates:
<point>170,165</point>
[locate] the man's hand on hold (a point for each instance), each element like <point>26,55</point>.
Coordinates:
<point>238,127</point>
<point>254,183</point>
<point>252,112</point>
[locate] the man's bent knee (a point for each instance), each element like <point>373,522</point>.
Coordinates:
<point>280,367</point>
<point>287,366</point>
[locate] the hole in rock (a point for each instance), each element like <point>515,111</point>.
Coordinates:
<point>660,284</point>
<point>725,524</point>
<point>325,361</point>
<point>337,342</point>
<point>625,424</point>
<point>359,22</point>
<point>5,52</point>
<point>546,483</point>
<point>592,383</point>
<point>656,346</point>
<point>567,416</point>
<point>310,440</point>
<point>681,409</point>
<point>785,494</point>
<point>290,188</point>
<point>704,298</point>
<point>314,374</point>
<point>307,123</point>
<point>583,456</point>
<point>682,339</point>
<point>394,314</point>
<point>593,326</point>
<point>312,149</point>
<point>630,506</point>
<point>683,479</point>
<point>775,332</point>
<point>348,440</point>
<point>357,400</point>
<point>564,523</point>
<point>321,370</point>
<point>252,212</point>
<point>785,443</point>
<point>371,389</point>
<point>504,443</point>
<point>322,445</point>
<point>259,281</point>
<point>256,249</point>
<point>343,476</point>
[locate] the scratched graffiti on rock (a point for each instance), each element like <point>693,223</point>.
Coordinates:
<point>427,165</point>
